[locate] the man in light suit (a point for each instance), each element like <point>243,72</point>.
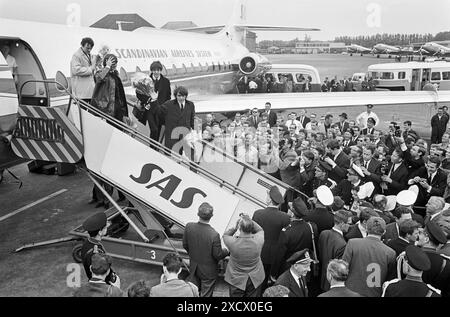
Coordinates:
<point>178,116</point>
<point>203,245</point>
<point>82,69</point>
<point>294,278</point>
<point>332,243</point>
<point>371,262</point>
<point>337,273</point>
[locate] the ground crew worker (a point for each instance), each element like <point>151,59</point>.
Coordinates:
<point>415,261</point>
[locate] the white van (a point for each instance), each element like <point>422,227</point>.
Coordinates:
<point>297,73</point>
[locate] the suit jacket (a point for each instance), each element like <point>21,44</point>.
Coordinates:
<point>340,292</point>
<point>295,237</point>
<point>203,245</point>
<point>350,143</point>
<point>174,288</point>
<point>305,121</point>
<point>286,279</point>
<point>272,221</point>
<point>340,171</point>
<point>365,131</point>
<point>272,118</point>
<point>342,127</point>
<point>171,115</point>
<point>98,290</point>
<point>398,245</point>
<point>353,232</point>
<point>399,180</point>
<point>366,257</point>
<point>162,87</point>
<point>375,174</point>
<point>331,246</point>
<point>322,217</point>
<point>252,122</point>
<point>438,185</point>
<point>438,127</point>
<point>391,232</point>
<point>344,190</point>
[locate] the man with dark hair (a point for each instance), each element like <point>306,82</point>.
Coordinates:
<point>178,116</point>
<point>397,175</point>
<point>82,68</point>
<point>307,171</point>
<point>332,243</point>
<point>139,289</point>
<point>430,179</point>
<point>272,220</point>
<point>97,286</point>
<point>370,127</point>
<point>369,257</point>
<point>359,229</point>
<point>203,245</point>
<point>337,274</point>
<point>356,132</point>
<point>408,234</point>
<point>438,126</point>
<point>342,125</point>
<point>338,160</point>
<point>328,122</point>
<point>272,116</point>
<point>171,285</point>
<point>401,213</point>
<point>371,167</point>
<point>245,270</point>
<point>408,132</point>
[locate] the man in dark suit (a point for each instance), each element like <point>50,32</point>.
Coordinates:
<point>332,244</point>
<point>295,237</point>
<point>302,118</point>
<point>162,90</point>
<point>272,116</point>
<point>371,167</point>
<point>203,245</point>
<point>431,181</point>
<point>344,187</point>
<point>397,177</point>
<point>438,126</point>
<point>401,213</point>
<point>408,234</point>
<point>359,230</point>
<point>342,125</point>
<point>178,116</point>
<point>348,142</point>
<point>370,127</point>
<point>337,273</point>
<point>338,160</point>
<point>272,220</point>
<point>294,278</point>
<point>254,119</point>
<point>321,214</point>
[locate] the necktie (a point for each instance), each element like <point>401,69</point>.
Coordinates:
<point>430,178</point>
<point>181,107</point>
<point>367,164</point>
<point>392,170</point>
<point>303,286</point>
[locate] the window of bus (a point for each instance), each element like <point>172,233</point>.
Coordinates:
<point>375,75</point>
<point>387,75</point>
<point>435,76</point>
<point>445,75</point>
<point>401,75</point>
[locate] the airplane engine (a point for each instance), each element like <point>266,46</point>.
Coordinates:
<point>254,64</point>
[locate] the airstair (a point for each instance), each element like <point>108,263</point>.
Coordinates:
<point>163,186</point>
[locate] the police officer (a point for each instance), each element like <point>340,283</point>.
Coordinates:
<point>96,226</point>
<point>415,262</point>
<point>438,275</point>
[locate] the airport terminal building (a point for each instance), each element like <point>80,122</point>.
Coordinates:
<point>316,47</point>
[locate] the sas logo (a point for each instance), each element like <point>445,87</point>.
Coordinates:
<point>167,185</point>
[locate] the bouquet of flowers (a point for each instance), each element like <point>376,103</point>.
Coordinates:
<point>145,88</point>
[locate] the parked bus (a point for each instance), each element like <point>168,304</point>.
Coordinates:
<point>411,75</point>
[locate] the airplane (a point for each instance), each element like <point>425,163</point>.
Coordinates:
<point>391,50</point>
<point>434,49</point>
<point>203,63</point>
<point>354,48</point>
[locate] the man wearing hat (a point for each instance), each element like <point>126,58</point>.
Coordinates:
<point>321,214</point>
<point>407,198</point>
<point>295,237</point>
<point>272,220</point>
<point>205,250</point>
<point>361,119</point>
<point>96,227</point>
<point>415,262</point>
<point>342,125</point>
<point>332,243</point>
<point>294,278</point>
<point>438,275</point>
<point>321,176</point>
<point>100,268</point>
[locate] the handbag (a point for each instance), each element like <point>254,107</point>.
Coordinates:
<point>315,269</point>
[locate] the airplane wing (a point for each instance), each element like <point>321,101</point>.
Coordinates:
<point>250,27</point>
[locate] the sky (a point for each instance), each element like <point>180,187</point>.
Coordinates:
<point>334,18</point>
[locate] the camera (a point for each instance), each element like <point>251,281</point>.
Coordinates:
<point>398,132</point>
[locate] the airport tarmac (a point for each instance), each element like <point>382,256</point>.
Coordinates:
<point>49,206</point>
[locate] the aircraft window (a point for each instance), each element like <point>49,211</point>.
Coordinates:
<point>435,76</point>
<point>445,75</point>
<point>7,85</point>
<point>387,75</point>
<point>401,75</point>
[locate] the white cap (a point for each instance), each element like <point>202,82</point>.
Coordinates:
<point>406,198</point>
<point>391,202</point>
<point>365,190</point>
<point>324,195</point>
<point>415,189</point>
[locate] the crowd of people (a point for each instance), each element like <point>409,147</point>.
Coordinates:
<point>365,213</point>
